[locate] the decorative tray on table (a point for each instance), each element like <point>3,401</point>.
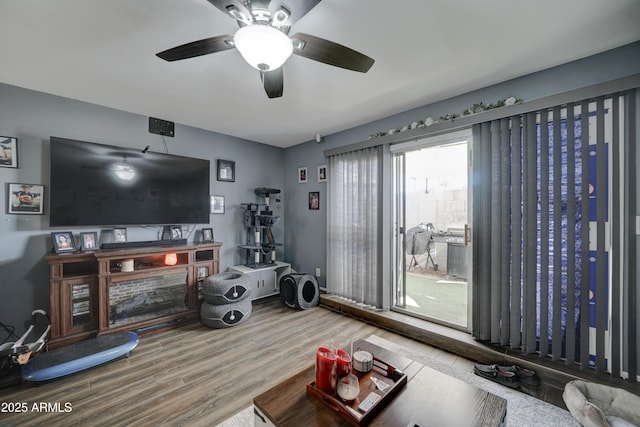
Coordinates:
<point>370,382</point>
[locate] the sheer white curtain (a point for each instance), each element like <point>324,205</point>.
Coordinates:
<point>353,245</point>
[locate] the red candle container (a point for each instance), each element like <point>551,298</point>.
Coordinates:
<point>343,360</point>
<point>326,370</point>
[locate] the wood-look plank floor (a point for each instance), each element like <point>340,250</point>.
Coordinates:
<point>194,375</point>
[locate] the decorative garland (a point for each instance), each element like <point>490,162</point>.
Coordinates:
<point>477,108</point>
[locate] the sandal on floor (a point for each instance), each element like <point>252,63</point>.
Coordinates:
<point>526,376</point>
<point>496,374</point>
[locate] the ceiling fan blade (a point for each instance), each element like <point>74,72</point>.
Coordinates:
<point>234,8</point>
<point>273,82</point>
<point>296,9</point>
<point>197,48</point>
<point>331,53</point>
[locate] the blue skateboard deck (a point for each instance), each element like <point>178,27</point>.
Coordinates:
<point>80,356</point>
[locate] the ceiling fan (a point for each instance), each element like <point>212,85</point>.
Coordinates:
<point>263,40</point>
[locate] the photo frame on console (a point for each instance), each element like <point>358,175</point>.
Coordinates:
<point>120,235</point>
<point>176,232</point>
<point>89,241</point>
<point>207,234</point>
<point>63,242</point>
<point>8,152</point>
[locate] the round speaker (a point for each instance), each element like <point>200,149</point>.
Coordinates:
<point>225,288</point>
<point>299,291</point>
<point>226,315</point>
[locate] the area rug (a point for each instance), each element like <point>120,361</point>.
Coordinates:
<point>243,418</point>
<point>522,409</point>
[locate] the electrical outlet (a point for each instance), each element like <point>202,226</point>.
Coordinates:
<point>317,271</point>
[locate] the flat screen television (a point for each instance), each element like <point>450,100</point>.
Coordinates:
<point>104,185</point>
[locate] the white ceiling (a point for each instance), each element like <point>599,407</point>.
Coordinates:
<point>103,52</point>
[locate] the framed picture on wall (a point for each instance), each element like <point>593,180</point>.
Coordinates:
<point>226,170</point>
<point>314,200</point>
<point>322,173</point>
<point>302,175</point>
<point>217,204</point>
<point>63,242</point>
<point>25,199</point>
<point>8,152</point>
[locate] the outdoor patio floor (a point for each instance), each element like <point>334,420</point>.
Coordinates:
<point>439,297</point>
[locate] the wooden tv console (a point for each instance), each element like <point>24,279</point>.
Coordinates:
<point>80,284</point>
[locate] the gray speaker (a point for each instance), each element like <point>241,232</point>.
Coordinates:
<point>225,288</point>
<point>225,315</point>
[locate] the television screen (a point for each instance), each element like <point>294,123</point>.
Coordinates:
<point>96,184</point>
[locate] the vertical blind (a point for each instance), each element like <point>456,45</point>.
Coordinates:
<point>353,224</point>
<point>554,233</point>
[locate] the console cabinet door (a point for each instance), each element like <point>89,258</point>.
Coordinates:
<point>79,297</point>
<point>268,282</point>
<point>256,281</point>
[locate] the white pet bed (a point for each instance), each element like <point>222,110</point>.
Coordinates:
<point>597,405</point>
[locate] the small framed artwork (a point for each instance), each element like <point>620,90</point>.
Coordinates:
<point>226,170</point>
<point>63,242</point>
<point>217,204</point>
<point>120,235</point>
<point>8,152</point>
<point>89,241</point>
<point>314,200</point>
<point>176,232</point>
<point>322,173</point>
<point>302,175</point>
<point>207,235</point>
<point>25,199</point>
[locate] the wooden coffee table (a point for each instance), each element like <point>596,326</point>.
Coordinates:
<point>430,398</point>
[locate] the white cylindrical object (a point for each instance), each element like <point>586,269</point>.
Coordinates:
<point>257,237</point>
<point>362,361</point>
<point>266,200</point>
<point>273,255</point>
<point>256,257</point>
<point>127,265</point>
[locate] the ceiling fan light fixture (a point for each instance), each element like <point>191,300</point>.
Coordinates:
<point>262,46</point>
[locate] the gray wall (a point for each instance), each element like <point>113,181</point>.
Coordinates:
<point>33,117</point>
<point>306,230</point>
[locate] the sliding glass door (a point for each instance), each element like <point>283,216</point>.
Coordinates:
<point>431,214</point>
